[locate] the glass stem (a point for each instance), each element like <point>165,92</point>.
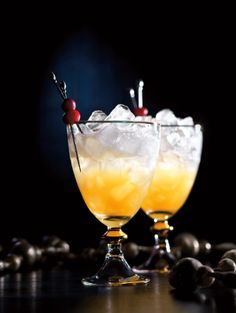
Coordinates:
<point>115,271</point>
<point>161,242</point>
<point>161,229</point>
<point>114,251</point>
<point>114,237</point>
<point>161,258</point>
<point>115,264</point>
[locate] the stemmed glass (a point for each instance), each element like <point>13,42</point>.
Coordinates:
<point>113,163</point>
<point>175,173</point>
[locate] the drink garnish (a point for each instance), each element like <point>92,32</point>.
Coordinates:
<point>138,110</point>
<point>71,115</point>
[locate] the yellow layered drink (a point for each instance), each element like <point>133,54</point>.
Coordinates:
<point>169,190</point>
<point>112,195</point>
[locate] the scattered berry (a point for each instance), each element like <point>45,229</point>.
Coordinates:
<point>183,274</point>
<point>130,250</point>
<point>14,262</point>
<point>226,265</point>
<point>24,249</point>
<point>89,254</point>
<point>188,244</point>
<point>231,254</point>
<point>203,278</point>
<point>227,278</point>
<point>50,240</point>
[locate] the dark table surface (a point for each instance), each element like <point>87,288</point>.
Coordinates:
<point>62,291</point>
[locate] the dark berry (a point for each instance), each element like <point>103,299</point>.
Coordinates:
<point>68,105</point>
<point>203,278</point>
<point>63,247</point>
<point>71,117</point>
<point>89,254</point>
<point>226,265</point>
<point>102,248</point>
<point>130,250</point>
<point>50,240</point>
<point>38,253</point>
<point>188,244</point>
<point>231,254</point>
<point>183,274</point>
<point>24,249</point>
<point>2,266</point>
<point>14,262</point>
<point>227,278</point>
<point>204,247</point>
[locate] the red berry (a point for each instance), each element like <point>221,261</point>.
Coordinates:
<point>71,117</point>
<point>140,111</point>
<point>68,105</point>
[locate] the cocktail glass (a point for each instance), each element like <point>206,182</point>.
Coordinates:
<point>113,163</point>
<point>175,173</point>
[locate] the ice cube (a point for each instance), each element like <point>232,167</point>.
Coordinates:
<point>100,182</point>
<point>187,131</point>
<point>173,138</point>
<point>109,135</point>
<point>188,121</point>
<point>93,147</point>
<point>96,116</point>
<point>147,118</point>
<point>166,116</point>
<point>119,113</point>
<point>85,129</point>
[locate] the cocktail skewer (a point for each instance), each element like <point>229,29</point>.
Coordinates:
<point>132,96</point>
<point>54,80</point>
<point>140,93</point>
<point>76,151</point>
<point>61,87</point>
<point>139,109</point>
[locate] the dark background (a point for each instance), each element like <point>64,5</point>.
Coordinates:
<point>187,62</point>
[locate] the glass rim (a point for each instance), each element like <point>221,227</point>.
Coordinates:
<point>137,122</point>
<point>119,122</point>
<point>176,125</point>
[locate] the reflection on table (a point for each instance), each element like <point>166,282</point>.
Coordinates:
<point>62,291</point>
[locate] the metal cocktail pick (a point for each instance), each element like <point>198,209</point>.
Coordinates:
<point>140,93</point>
<point>61,87</point>
<point>132,96</point>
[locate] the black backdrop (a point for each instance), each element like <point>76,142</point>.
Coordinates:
<point>187,63</point>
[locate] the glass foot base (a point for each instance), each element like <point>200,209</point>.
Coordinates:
<point>159,262</point>
<point>143,270</point>
<point>114,280</point>
<point>115,271</point>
